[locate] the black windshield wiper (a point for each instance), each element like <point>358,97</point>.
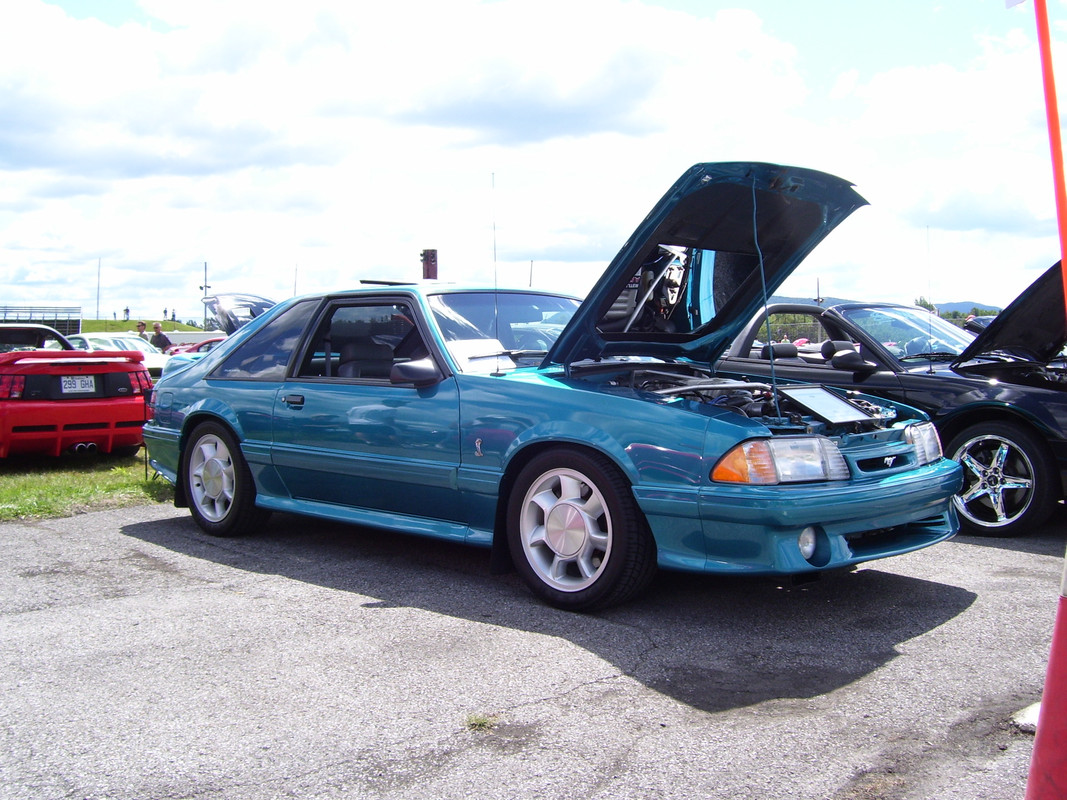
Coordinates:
<point>939,356</point>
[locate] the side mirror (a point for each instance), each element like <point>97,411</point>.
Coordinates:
<point>421,372</point>
<point>852,361</point>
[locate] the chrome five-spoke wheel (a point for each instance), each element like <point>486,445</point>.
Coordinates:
<point>1007,479</point>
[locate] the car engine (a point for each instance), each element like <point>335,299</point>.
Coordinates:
<point>782,409</point>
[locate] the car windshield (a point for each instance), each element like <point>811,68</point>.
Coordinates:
<point>910,332</point>
<point>15,338</point>
<point>523,324</point>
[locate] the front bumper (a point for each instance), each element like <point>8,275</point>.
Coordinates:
<point>754,529</point>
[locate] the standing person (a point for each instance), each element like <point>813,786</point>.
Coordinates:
<point>159,339</point>
<point>140,330</point>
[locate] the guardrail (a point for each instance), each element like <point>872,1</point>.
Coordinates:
<point>65,319</point>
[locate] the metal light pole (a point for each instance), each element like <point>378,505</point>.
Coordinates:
<point>204,289</point>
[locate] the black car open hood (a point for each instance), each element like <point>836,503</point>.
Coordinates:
<point>700,263</point>
<point>1033,327</point>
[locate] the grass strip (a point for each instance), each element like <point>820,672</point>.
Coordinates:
<point>34,487</point>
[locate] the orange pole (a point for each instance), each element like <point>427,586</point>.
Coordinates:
<point>1052,112</point>
<point>1048,766</point>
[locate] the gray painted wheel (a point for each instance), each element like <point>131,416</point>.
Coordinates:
<point>211,477</point>
<point>576,533</point>
<point>218,483</point>
<point>566,530</point>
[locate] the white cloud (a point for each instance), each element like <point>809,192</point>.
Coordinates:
<point>328,141</point>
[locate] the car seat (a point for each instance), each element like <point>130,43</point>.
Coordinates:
<point>365,359</point>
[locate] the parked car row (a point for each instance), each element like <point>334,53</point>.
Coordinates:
<point>154,358</point>
<point>589,443</point>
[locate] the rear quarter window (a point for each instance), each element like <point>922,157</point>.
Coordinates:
<point>265,356</point>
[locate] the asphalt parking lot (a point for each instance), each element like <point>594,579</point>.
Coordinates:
<point>141,659</point>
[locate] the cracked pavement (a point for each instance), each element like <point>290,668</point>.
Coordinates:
<point>141,659</point>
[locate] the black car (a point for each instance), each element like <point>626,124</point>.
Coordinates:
<point>977,324</point>
<point>998,398</point>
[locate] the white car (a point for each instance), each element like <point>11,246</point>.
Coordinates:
<point>154,360</point>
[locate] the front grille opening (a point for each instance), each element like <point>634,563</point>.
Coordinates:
<point>894,462</point>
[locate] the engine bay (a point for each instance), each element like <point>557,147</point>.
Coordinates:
<point>784,409</point>
<point>1024,373</point>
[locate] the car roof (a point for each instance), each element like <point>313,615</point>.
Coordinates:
<point>33,327</point>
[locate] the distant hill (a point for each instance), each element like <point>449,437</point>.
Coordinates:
<point>826,301</point>
<point>965,308</point>
<point>944,308</point>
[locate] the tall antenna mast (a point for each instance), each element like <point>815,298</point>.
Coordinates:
<point>492,213</point>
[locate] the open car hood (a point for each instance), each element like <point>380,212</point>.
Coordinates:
<point>1033,327</point>
<point>232,311</point>
<point>689,277</point>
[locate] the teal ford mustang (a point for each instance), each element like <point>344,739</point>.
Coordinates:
<point>586,443</point>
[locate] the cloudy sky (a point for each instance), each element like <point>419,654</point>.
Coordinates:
<point>301,147</point>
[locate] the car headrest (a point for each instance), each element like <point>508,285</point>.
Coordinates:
<point>781,350</point>
<point>833,346</point>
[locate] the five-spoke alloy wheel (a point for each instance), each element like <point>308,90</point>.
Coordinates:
<point>1008,478</point>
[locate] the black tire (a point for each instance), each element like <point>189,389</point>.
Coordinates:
<point>576,534</point>
<point>1010,479</point>
<point>218,483</point>
<point>125,452</point>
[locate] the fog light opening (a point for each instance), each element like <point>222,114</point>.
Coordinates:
<point>807,542</point>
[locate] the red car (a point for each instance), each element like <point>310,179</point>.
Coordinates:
<point>195,347</point>
<point>55,398</point>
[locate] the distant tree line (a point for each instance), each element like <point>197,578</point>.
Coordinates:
<point>956,317</point>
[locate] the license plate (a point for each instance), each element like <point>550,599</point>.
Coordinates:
<point>72,384</point>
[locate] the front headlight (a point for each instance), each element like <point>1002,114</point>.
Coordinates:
<point>785,460</point>
<point>923,437</point>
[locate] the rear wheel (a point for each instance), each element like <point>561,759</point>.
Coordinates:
<point>1010,479</point>
<point>576,534</point>
<point>218,483</point>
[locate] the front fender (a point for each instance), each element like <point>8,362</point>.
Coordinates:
<point>560,432</point>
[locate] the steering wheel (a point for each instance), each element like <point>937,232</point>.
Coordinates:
<point>920,344</point>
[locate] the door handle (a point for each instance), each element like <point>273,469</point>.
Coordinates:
<point>293,399</point>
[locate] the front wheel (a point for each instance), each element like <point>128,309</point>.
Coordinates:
<point>576,534</point>
<point>218,483</point>
<point>1010,479</point>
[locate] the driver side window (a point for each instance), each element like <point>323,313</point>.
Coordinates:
<point>358,342</point>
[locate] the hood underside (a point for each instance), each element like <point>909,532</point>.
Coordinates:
<point>1033,327</point>
<point>723,237</point>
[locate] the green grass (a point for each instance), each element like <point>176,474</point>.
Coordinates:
<point>33,487</point>
<point>482,723</point>
<point>125,326</point>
